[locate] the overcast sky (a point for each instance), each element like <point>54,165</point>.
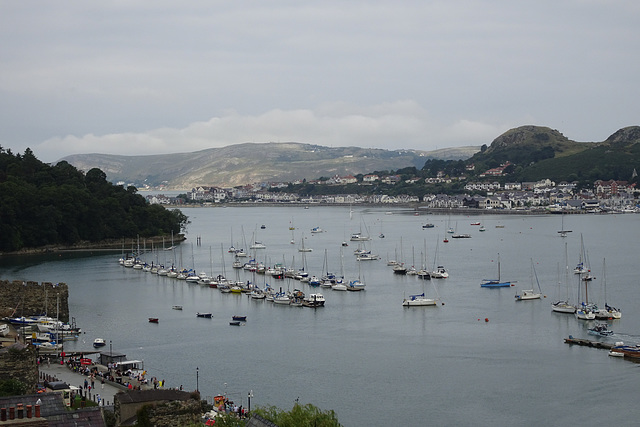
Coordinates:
<point>152,77</point>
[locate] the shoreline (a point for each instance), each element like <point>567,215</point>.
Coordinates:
<point>104,246</point>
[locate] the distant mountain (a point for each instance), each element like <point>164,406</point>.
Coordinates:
<point>538,152</point>
<point>252,162</point>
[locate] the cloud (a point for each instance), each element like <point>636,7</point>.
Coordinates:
<point>402,124</point>
<point>168,76</point>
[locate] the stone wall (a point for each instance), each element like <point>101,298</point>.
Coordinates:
<point>19,362</point>
<point>178,414</point>
<point>18,298</point>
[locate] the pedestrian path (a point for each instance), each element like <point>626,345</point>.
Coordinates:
<point>63,373</point>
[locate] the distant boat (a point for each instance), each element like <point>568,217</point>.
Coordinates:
<point>530,293</point>
<point>205,315</point>
<point>99,342</point>
<point>177,307</point>
<point>418,300</point>
<point>302,248</point>
<point>562,231</point>
<point>235,323</point>
<point>314,300</point>
<point>153,320</point>
<point>317,230</point>
<point>495,283</point>
<point>475,223</point>
<point>439,273</point>
<point>258,245</point>
<point>428,226</point>
<point>240,318</point>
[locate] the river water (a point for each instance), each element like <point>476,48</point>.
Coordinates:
<point>363,355</point>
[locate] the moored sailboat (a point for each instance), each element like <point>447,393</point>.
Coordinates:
<point>495,283</point>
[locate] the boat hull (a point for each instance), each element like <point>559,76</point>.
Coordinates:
<point>495,284</point>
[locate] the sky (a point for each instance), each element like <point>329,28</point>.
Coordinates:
<point>156,77</point>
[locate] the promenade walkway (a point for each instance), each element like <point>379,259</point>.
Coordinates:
<point>56,371</point>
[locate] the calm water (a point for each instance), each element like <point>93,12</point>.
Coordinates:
<point>364,355</point>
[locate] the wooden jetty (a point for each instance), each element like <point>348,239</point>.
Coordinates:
<point>628,352</point>
<point>588,343</point>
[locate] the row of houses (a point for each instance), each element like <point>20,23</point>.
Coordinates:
<point>541,193</point>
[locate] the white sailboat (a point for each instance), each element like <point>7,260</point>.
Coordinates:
<point>563,305</point>
<point>608,312</point>
<point>357,284</point>
<point>421,300</point>
<point>302,248</point>
<point>562,231</point>
<point>529,294</point>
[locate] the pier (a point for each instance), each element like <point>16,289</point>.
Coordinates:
<point>588,343</point>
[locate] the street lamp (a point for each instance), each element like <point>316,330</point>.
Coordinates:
<point>249,396</point>
<point>197,379</point>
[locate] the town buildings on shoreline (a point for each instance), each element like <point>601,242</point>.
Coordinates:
<point>543,195</point>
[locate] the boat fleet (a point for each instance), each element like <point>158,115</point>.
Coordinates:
<point>584,310</point>
<point>44,332</point>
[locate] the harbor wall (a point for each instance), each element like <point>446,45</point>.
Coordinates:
<point>18,362</point>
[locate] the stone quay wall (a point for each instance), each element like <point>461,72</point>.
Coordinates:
<point>19,298</point>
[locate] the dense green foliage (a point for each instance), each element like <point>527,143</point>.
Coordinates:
<point>12,387</point>
<point>300,416</point>
<point>44,205</point>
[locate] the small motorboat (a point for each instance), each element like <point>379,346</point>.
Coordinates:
<point>614,353</point>
<point>428,226</point>
<point>235,323</point>
<point>205,315</point>
<point>240,318</point>
<point>99,342</point>
<point>153,320</point>
<point>601,330</point>
<point>177,307</point>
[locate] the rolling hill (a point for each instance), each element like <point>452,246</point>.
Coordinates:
<point>252,162</point>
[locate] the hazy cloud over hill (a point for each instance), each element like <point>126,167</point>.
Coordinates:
<point>141,77</point>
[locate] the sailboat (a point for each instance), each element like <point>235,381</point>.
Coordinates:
<point>495,283</point>
<point>421,300</point>
<point>530,293</point>
<point>608,312</point>
<point>438,272</point>
<point>586,310</point>
<point>339,284</point>
<point>563,306</point>
<point>562,231</point>
<point>302,248</point>
<point>359,237</point>
<point>400,268</point>
<point>357,284</point>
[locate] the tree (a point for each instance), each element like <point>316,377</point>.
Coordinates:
<point>300,415</point>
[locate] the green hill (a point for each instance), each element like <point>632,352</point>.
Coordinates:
<point>538,152</point>
<point>44,205</point>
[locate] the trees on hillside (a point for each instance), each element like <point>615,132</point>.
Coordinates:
<point>41,204</point>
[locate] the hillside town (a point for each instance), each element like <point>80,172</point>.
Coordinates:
<point>604,196</point>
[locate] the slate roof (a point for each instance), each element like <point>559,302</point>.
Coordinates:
<point>138,396</point>
<point>52,408</point>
